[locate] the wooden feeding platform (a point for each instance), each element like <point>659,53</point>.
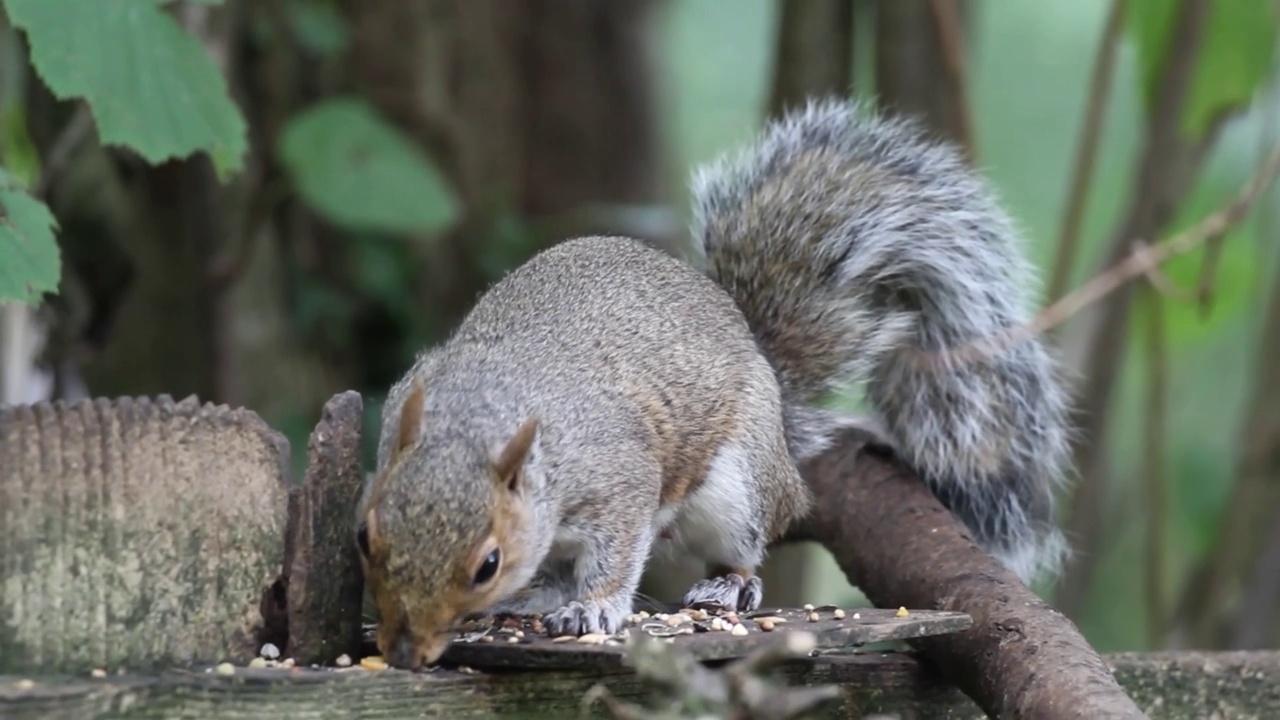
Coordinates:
<point>157,561</point>
<point>705,637</point>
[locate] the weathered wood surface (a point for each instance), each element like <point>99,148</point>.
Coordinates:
<point>135,532</point>
<point>321,579</point>
<point>1168,686</point>
<point>544,653</point>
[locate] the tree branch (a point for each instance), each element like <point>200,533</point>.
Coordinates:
<point>1087,151</point>
<point>1165,175</point>
<point>1142,260</point>
<point>901,547</point>
<point>813,52</point>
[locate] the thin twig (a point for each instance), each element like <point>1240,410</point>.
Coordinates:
<point>1136,264</point>
<point>946,17</point>
<point>1160,281</point>
<point>1087,151</point>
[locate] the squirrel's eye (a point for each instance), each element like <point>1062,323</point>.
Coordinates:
<point>362,539</point>
<point>488,568</point>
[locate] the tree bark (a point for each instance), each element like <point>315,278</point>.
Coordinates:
<point>920,64</point>
<point>813,53</point>
<point>896,542</point>
<point>541,112</point>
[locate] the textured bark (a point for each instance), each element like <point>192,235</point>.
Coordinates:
<point>896,542</point>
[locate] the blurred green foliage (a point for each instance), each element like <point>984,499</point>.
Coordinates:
<point>362,173</point>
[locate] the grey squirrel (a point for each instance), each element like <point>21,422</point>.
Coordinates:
<point>605,398</point>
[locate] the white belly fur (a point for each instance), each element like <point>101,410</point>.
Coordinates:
<point>714,522</point>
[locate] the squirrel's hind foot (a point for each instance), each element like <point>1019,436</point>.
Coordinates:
<point>730,591</point>
<point>581,618</point>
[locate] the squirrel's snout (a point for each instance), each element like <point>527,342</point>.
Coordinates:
<point>406,654</point>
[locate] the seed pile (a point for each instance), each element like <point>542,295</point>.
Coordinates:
<point>666,626</point>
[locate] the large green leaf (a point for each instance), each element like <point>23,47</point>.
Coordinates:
<point>151,86</point>
<point>1235,54</point>
<point>29,261</point>
<point>362,173</point>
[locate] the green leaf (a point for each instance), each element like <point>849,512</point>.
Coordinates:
<point>362,173</point>
<point>1235,55</point>
<point>29,262</point>
<point>151,86</point>
<point>318,26</point>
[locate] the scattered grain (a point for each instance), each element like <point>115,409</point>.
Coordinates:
<point>839,614</point>
<point>98,673</point>
<point>902,612</point>
<point>258,662</point>
<point>344,660</point>
<point>739,630</point>
<point>225,668</point>
<point>813,617</point>
<point>373,662</point>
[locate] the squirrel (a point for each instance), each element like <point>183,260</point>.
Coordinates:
<point>606,400</point>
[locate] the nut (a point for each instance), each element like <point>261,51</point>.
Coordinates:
<point>343,660</point>
<point>258,662</point>
<point>813,617</point>
<point>374,662</point>
<point>902,612</point>
<point>739,630</point>
<point>765,624</point>
<point>839,614</point>
<point>225,668</point>
<point>269,651</point>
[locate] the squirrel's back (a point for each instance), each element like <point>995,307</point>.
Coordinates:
<point>609,339</point>
<point>859,250</point>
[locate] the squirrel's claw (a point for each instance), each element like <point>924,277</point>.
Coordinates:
<point>578,618</point>
<point>731,592</point>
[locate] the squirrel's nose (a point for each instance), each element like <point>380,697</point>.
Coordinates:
<point>403,654</point>
<point>408,655</point>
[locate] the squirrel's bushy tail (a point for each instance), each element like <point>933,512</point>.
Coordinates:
<point>861,251</point>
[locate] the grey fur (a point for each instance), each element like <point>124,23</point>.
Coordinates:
<point>855,247</point>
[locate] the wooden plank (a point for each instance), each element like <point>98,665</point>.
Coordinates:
<point>537,651</point>
<point>135,532</point>
<point>321,581</point>
<point>1168,686</point>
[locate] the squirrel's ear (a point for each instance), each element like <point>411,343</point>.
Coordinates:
<point>410,419</point>
<point>509,459</point>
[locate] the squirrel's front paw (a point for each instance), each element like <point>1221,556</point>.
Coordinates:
<point>730,592</point>
<point>578,618</point>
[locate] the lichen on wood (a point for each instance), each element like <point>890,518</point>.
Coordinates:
<point>135,532</point>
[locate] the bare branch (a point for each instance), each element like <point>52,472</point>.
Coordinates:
<point>1087,151</point>
<point>946,21</point>
<point>900,546</point>
<point>813,53</point>
<point>1166,172</point>
<point>1142,260</point>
